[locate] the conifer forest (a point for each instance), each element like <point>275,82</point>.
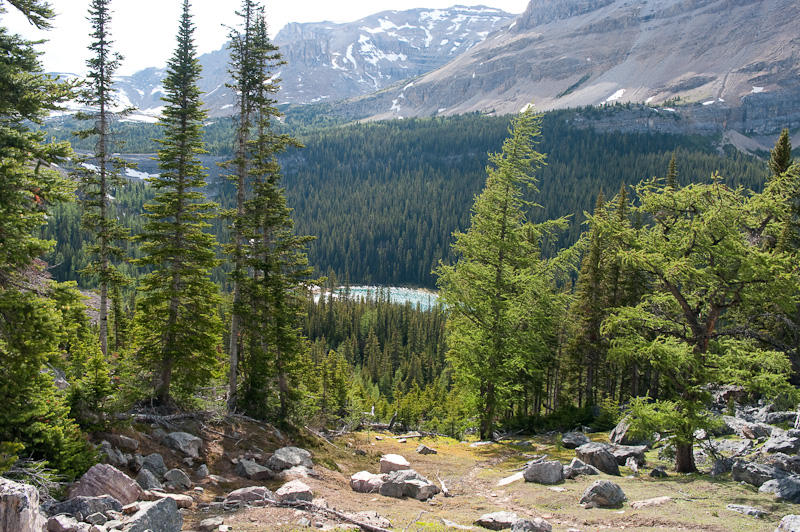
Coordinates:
<point>580,274</point>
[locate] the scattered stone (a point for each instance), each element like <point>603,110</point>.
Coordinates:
<point>721,466</point>
<point>158,433</point>
<point>135,463</point>
<point>86,505</point>
<point>658,472</point>
<point>60,523</point>
<point>183,501</point>
<point>573,440</point>
<point>112,456</point>
<point>199,489</point>
<point>294,491</point>
<point>633,465</point>
<point>250,495</point>
<point>177,476</point>
<point>253,471</point>
<point>130,509</point>
<point>745,429</point>
<point>424,449</point>
<point>623,452</point>
<point>578,467</point>
<point>366,482</point>
<point>371,517</point>
<point>773,418</point>
<point>551,472</point>
<point>537,524</point>
<point>19,507</point>
<point>210,525</point>
<point>753,473</point>
<point>729,394</point>
<point>119,440</point>
<point>598,455</point>
<point>497,520</point>
<point>393,462</point>
<point>746,510</point>
<point>453,524</point>
<point>621,434</point>
<point>789,523</point>
<point>603,493</point>
<point>296,472</point>
<point>360,452</point>
<point>785,462</point>
<point>648,503</point>
<point>409,483</point>
<point>147,480</point>
<point>104,479</point>
<point>96,519</point>
<point>184,442</point>
<point>114,524</point>
<point>156,516</point>
<point>481,443</point>
<point>287,457</point>
<point>787,442</point>
<point>402,440</point>
<point>202,471</point>
<point>784,488</point>
<point>155,463</point>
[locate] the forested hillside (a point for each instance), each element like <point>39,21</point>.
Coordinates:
<point>384,198</point>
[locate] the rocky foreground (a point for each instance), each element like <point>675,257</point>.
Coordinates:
<point>219,477</point>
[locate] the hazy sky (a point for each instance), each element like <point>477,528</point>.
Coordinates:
<point>144,30</point>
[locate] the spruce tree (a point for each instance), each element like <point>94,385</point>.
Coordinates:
<point>34,420</point>
<point>781,155</point>
<point>272,294</point>
<point>499,294</point>
<point>178,326</point>
<point>98,180</point>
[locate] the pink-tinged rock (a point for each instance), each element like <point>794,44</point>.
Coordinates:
<point>250,495</point>
<point>104,479</point>
<point>393,462</point>
<point>294,491</point>
<point>366,482</point>
<point>19,507</point>
<point>183,501</point>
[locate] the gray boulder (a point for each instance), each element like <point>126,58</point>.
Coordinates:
<point>85,506</point>
<point>789,523</point>
<point>537,524</point>
<point>112,456</point>
<point>550,472</point>
<point>104,479</point>
<point>745,429</point>
<point>746,510</point>
<point>787,442</point>
<point>178,478</point>
<point>721,466</point>
<point>732,447</point>
<point>603,493</point>
<point>424,449</point>
<point>393,462</point>
<point>19,507</point>
<point>155,463</point>
<point>787,488</point>
<point>184,442</point>
<point>157,516</point>
<point>755,474</point>
<point>366,482</point>
<point>147,480</point>
<point>294,491</point>
<point>250,495</point>
<point>578,467</point>
<point>65,523</point>
<point>210,524</point>
<point>287,457</point>
<point>658,472</point>
<point>623,452</point>
<point>497,520</point>
<point>252,470</point>
<point>788,463</point>
<point>573,440</point>
<point>621,434</point>
<point>774,418</point>
<point>409,483</point>
<point>599,456</point>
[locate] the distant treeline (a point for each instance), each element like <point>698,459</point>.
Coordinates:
<point>383,198</point>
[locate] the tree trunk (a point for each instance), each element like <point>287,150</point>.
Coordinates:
<point>684,458</point>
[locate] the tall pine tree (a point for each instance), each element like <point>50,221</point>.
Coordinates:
<point>178,327</point>
<point>98,179</point>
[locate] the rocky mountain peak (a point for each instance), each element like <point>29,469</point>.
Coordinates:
<point>547,11</point>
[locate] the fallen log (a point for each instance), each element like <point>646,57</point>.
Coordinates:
<point>310,506</point>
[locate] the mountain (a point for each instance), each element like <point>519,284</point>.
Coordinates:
<point>724,54</point>
<point>329,61</point>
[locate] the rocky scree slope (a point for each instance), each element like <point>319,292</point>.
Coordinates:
<point>570,53</point>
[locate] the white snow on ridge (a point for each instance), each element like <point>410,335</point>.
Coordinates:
<point>756,90</point>
<point>616,96</point>
<point>349,56</point>
<point>709,102</point>
<point>372,54</point>
<point>157,89</point>
<point>385,25</point>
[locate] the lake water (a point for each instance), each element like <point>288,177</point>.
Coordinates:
<point>400,295</point>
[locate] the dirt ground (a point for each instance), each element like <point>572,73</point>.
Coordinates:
<point>697,502</point>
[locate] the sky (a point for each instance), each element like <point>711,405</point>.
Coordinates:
<point>144,30</point>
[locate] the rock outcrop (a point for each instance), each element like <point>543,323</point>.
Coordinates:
<point>19,507</point>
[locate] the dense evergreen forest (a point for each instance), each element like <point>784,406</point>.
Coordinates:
<point>583,275</point>
<point>383,199</point>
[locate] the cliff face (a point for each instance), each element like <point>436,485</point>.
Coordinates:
<point>727,54</point>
